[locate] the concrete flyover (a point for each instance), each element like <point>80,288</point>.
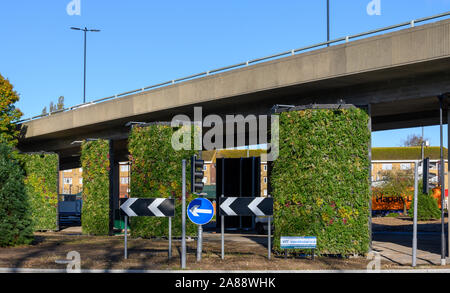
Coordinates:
<point>400,74</point>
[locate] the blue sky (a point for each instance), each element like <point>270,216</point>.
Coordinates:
<point>147,42</point>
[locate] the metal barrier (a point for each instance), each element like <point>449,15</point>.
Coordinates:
<point>346,39</point>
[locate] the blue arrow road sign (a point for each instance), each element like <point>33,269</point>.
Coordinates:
<point>200,211</point>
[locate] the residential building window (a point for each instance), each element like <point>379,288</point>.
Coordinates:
<point>265,167</point>
<point>265,179</point>
<point>205,167</point>
<point>80,180</point>
<point>265,192</point>
<point>386,167</point>
<point>68,180</point>
<point>123,180</point>
<point>405,166</point>
<point>124,168</point>
<point>67,171</point>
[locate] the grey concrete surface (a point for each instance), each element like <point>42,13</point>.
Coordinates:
<point>400,73</point>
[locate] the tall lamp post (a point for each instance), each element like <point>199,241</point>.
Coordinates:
<point>328,22</point>
<point>85,30</point>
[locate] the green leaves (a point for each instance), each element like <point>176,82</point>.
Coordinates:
<point>156,173</point>
<point>8,113</point>
<point>95,164</point>
<point>15,219</point>
<point>320,180</point>
<point>42,189</point>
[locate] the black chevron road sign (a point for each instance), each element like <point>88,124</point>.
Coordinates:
<point>147,207</point>
<point>246,206</point>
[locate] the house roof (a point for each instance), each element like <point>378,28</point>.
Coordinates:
<point>407,153</point>
<point>210,156</point>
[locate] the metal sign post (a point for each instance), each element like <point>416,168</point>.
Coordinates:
<point>247,206</point>
<point>416,186</point>
<point>170,237</point>
<point>126,234</point>
<point>146,207</point>
<point>200,211</point>
<point>222,218</point>
<point>183,215</point>
<point>269,242</point>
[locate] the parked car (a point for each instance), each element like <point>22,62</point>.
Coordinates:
<point>261,224</point>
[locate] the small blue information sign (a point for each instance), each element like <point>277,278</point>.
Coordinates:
<point>200,211</point>
<point>306,242</point>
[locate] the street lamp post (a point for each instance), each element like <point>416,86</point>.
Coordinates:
<point>85,30</point>
<point>328,22</point>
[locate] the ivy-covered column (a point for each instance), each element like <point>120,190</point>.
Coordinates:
<point>320,180</point>
<point>95,216</point>
<point>41,184</point>
<point>156,173</point>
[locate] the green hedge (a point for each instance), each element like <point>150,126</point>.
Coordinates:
<point>320,180</point>
<point>156,173</point>
<point>15,219</point>
<point>427,208</point>
<point>95,210</point>
<point>407,153</point>
<point>41,184</point>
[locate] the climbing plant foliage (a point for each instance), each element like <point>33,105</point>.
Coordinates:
<point>41,183</point>
<point>96,166</point>
<point>15,220</point>
<point>320,180</point>
<point>156,172</point>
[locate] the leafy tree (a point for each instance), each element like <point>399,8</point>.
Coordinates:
<point>8,113</point>
<point>15,219</point>
<point>413,140</point>
<point>60,104</point>
<point>427,208</point>
<point>398,183</point>
<point>52,107</point>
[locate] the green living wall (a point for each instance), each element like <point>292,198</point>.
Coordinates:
<point>96,165</point>
<point>41,184</point>
<point>320,181</point>
<point>156,172</point>
<point>15,218</point>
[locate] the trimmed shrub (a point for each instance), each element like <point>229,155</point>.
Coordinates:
<point>95,210</point>
<point>156,173</point>
<point>320,180</point>
<point>427,208</point>
<point>41,184</point>
<point>15,219</point>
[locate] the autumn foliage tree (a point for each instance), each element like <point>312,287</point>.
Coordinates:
<point>398,183</point>
<point>8,113</point>
<point>15,219</point>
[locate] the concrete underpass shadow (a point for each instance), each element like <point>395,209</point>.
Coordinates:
<point>428,237</point>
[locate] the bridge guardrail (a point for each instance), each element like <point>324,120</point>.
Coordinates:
<point>411,23</point>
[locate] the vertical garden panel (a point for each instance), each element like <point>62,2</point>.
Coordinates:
<point>320,181</point>
<point>41,183</point>
<point>95,164</point>
<point>156,173</point>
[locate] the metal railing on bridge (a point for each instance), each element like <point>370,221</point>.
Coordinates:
<point>411,23</point>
